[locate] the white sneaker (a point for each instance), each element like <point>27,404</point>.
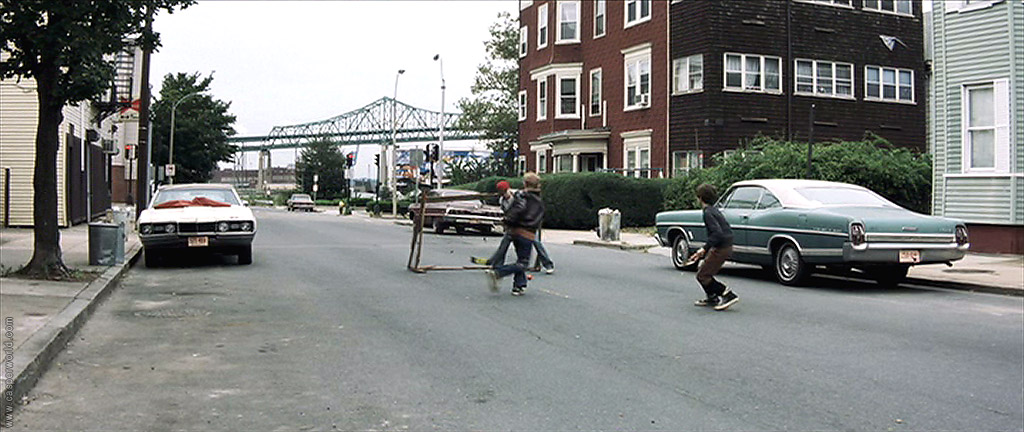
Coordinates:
<point>549,270</point>
<point>492,280</point>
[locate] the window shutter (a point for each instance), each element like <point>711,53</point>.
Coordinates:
<point>1002,120</point>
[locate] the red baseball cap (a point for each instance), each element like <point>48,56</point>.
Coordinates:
<point>502,185</point>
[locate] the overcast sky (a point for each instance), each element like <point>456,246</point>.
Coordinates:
<point>282,63</point>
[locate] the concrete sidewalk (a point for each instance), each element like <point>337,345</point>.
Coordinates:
<point>41,316</point>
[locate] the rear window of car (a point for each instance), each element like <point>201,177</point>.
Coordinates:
<point>843,196</point>
<point>301,197</point>
<point>222,195</point>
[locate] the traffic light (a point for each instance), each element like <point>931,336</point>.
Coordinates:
<point>350,160</point>
<point>433,152</point>
<point>376,159</point>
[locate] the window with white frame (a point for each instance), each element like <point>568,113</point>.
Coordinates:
<point>568,21</point>
<point>824,78</point>
<point>600,7</point>
<point>753,73</point>
<point>542,98</point>
<point>903,7</point>
<point>847,3</point>
<point>595,92</point>
<point>638,156</point>
<point>542,161</point>
<point>684,161</point>
<point>985,118</point>
<point>888,84</point>
<point>542,26</point>
<point>522,105</point>
<point>524,34</point>
<point>520,164</point>
<point>637,11</point>
<point>563,163</point>
<point>688,74</point>
<point>568,97</point>
<point>638,79</point>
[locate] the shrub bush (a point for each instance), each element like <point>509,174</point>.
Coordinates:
<point>572,200</point>
<point>900,175</point>
<point>385,206</point>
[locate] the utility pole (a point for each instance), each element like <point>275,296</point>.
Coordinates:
<point>142,163</point>
<point>440,144</point>
<point>810,142</point>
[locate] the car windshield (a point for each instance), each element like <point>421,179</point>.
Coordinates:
<point>843,196</point>
<point>302,197</point>
<point>221,195</point>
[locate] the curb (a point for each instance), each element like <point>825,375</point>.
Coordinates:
<point>612,245</point>
<point>966,286</point>
<point>37,353</point>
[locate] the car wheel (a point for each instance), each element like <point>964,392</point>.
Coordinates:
<point>889,276</point>
<point>152,257</point>
<point>460,229</point>
<point>487,229</point>
<point>681,253</point>
<point>790,268</point>
<point>245,255</point>
<point>439,226</point>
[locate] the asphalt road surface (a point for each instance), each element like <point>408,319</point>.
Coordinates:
<point>327,330</point>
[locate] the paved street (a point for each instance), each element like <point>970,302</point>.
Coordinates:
<point>328,330</point>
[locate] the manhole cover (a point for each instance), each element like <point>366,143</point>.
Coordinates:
<point>172,313</point>
<point>968,271</point>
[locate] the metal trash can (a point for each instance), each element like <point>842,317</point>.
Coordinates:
<point>608,222</point>
<point>106,244</point>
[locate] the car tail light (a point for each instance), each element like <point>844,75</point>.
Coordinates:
<point>222,227</point>
<point>857,235</point>
<point>961,235</point>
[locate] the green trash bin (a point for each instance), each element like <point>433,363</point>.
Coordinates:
<point>106,244</point>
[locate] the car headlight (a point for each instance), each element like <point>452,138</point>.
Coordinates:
<point>961,235</point>
<point>246,226</point>
<point>146,228</point>
<point>170,228</point>
<point>222,227</point>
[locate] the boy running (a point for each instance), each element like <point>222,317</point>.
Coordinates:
<point>715,251</point>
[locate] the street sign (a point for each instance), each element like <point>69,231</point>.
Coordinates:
<point>316,187</point>
<point>129,113</point>
<point>129,151</point>
<point>169,170</point>
<point>316,178</point>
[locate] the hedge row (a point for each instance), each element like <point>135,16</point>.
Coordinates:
<point>572,200</point>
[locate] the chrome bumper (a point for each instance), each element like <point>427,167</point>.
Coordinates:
<point>931,253</point>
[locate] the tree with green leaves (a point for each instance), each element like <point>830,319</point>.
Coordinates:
<point>202,126</point>
<point>493,107</point>
<point>324,159</point>
<point>68,48</point>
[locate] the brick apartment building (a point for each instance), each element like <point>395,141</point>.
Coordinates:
<point>652,88</point>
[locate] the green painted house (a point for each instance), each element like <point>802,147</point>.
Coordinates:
<point>976,118</point>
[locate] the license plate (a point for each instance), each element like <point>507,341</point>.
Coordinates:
<point>198,241</point>
<point>910,256</point>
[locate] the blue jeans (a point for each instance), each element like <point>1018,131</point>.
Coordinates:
<point>499,255</point>
<point>523,247</point>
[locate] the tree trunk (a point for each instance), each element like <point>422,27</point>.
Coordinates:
<point>46,260</point>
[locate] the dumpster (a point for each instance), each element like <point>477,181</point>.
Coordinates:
<point>608,222</point>
<point>106,244</point>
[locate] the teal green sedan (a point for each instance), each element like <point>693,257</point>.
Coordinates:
<point>795,227</point>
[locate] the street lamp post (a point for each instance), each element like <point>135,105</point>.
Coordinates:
<point>170,155</point>
<point>394,143</point>
<point>440,144</point>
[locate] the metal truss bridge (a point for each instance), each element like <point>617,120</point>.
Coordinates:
<point>370,124</point>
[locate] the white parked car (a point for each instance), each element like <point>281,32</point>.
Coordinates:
<point>201,216</point>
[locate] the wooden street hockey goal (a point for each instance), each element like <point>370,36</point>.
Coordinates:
<point>416,248</point>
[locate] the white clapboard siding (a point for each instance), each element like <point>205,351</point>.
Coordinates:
<point>978,45</point>
<point>19,111</point>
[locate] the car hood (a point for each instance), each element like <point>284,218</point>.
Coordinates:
<point>894,220</point>
<point>196,214</point>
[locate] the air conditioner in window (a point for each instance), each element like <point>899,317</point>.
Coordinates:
<point>644,100</point>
